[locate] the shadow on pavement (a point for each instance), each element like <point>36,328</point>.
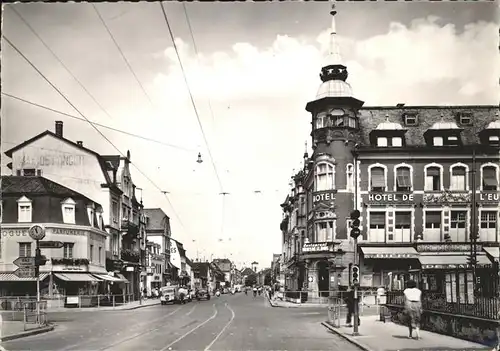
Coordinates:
<point>441,349</point>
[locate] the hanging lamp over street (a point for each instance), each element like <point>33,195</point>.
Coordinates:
<point>199,160</point>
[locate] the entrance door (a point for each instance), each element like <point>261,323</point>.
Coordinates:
<point>323,278</point>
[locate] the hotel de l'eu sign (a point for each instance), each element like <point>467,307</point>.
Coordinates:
<point>386,198</point>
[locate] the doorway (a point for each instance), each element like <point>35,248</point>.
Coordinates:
<point>323,279</point>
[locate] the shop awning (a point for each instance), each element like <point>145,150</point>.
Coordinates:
<point>389,252</point>
<point>11,277</point>
<point>107,277</point>
<point>122,278</point>
<point>441,261</point>
<point>493,251</point>
<point>76,277</point>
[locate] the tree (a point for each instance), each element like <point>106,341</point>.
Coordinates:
<point>251,280</point>
<point>267,279</point>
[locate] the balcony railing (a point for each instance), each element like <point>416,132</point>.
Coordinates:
<point>129,226</point>
<point>130,255</point>
<point>481,307</point>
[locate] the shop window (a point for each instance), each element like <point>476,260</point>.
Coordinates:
<point>68,250</point>
<point>382,141</point>
<point>24,210</point>
<point>488,225</point>
<point>403,179</point>
<point>459,290</point>
<point>378,179</point>
<point>458,178</point>
<point>377,227</point>
<point>437,141</point>
<point>29,172</point>
<point>402,228</point>
<point>458,226</point>
<point>25,250</point>
<point>325,177</point>
<point>490,178</point>
<point>433,178</point>
<point>432,226</point>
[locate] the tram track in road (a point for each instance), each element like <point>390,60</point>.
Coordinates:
<point>82,345</point>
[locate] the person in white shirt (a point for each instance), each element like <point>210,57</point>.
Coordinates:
<point>413,307</point>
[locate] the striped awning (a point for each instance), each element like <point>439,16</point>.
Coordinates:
<point>122,278</point>
<point>107,277</point>
<point>440,261</point>
<point>11,277</point>
<point>76,277</point>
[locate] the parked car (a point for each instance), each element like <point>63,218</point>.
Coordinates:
<point>168,294</point>
<point>202,294</point>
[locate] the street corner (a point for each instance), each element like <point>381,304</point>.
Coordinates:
<point>23,334</point>
<point>345,336</point>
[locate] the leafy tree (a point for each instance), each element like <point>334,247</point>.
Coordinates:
<point>251,280</point>
<point>267,279</point>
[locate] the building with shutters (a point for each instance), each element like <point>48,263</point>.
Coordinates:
<point>408,170</point>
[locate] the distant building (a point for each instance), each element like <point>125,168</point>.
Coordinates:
<point>158,231</point>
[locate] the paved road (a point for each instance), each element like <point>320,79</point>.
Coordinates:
<point>231,322</point>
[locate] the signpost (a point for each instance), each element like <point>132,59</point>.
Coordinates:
<point>24,262</point>
<point>51,244</point>
<point>25,272</point>
<point>37,233</point>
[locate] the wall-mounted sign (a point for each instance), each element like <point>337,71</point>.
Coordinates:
<point>65,231</point>
<point>390,198</point>
<point>326,196</point>
<point>317,247</point>
<point>449,266</point>
<point>446,247</point>
<point>489,197</point>
<point>15,232</point>
<point>391,255</point>
<point>50,159</point>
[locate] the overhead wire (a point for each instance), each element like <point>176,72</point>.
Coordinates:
<point>191,95</point>
<point>60,61</point>
<point>98,124</point>
<point>83,116</point>
<point>122,54</point>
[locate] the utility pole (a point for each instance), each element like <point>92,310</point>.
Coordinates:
<point>355,233</point>
<point>473,229</point>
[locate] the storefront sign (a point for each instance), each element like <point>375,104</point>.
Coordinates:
<point>316,247</point>
<point>50,159</point>
<point>446,247</point>
<point>391,255</point>
<point>14,232</point>
<point>65,231</point>
<point>489,197</point>
<point>390,198</point>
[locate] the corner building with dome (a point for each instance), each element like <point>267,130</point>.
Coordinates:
<point>409,170</point>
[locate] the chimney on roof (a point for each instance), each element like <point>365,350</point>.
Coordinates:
<point>59,129</point>
<point>80,143</point>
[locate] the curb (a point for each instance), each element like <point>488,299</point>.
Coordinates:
<point>351,339</point>
<point>28,333</point>
<point>101,309</point>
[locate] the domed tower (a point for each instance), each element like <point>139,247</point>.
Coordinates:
<point>334,135</point>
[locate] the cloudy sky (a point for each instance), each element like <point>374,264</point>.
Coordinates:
<point>251,68</point>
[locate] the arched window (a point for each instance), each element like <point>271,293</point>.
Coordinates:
<point>490,177</point>
<point>325,177</point>
<point>458,178</point>
<point>377,179</point>
<point>433,178</point>
<point>403,178</point>
<point>349,177</point>
<point>321,120</point>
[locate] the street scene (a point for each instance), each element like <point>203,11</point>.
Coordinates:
<point>150,151</point>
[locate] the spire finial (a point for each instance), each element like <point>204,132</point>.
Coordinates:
<point>333,69</point>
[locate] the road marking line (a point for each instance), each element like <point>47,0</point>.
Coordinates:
<point>192,330</point>
<point>223,329</point>
<point>191,311</point>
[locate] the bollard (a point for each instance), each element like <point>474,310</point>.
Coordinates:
<point>98,300</point>
<point>113,301</point>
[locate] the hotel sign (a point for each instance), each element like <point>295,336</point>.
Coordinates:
<point>446,247</point>
<point>324,197</point>
<point>389,198</point>
<point>317,247</point>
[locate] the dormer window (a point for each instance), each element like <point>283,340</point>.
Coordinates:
<point>24,210</point>
<point>410,119</point>
<point>494,140</point>
<point>90,212</point>
<point>464,118</point>
<point>382,141</point>
<point>437,141</point>
<point>68,211</point>
<point>452,140</point>
<point>397,142</point>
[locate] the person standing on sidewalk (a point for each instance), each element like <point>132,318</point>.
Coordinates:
<point>413,307</point>
<point>350,302</point>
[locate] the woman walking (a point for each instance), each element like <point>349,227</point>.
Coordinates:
<point>413,307</point>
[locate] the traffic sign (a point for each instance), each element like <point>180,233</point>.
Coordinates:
<point>24,262</point>
<point>25,272</point>
<point>51,244</point>
<point>37,232</point>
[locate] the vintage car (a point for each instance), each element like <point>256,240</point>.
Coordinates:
<point>169,294</point>
<point>202,294</point>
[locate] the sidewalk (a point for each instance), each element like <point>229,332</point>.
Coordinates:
<point>14,330</point>
<point>286,304</point>
<point>128,306</point>
<point>379,336</point>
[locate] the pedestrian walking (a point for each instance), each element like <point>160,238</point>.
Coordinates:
<point>413,308</point>
<point>350,302</point>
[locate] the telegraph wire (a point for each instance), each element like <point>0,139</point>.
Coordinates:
<point>191,95</point>
<point>98,124</point>
<point>60,61</point>
<point>93,126</point>
<point>197,54</point>
<point>122,54</point>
